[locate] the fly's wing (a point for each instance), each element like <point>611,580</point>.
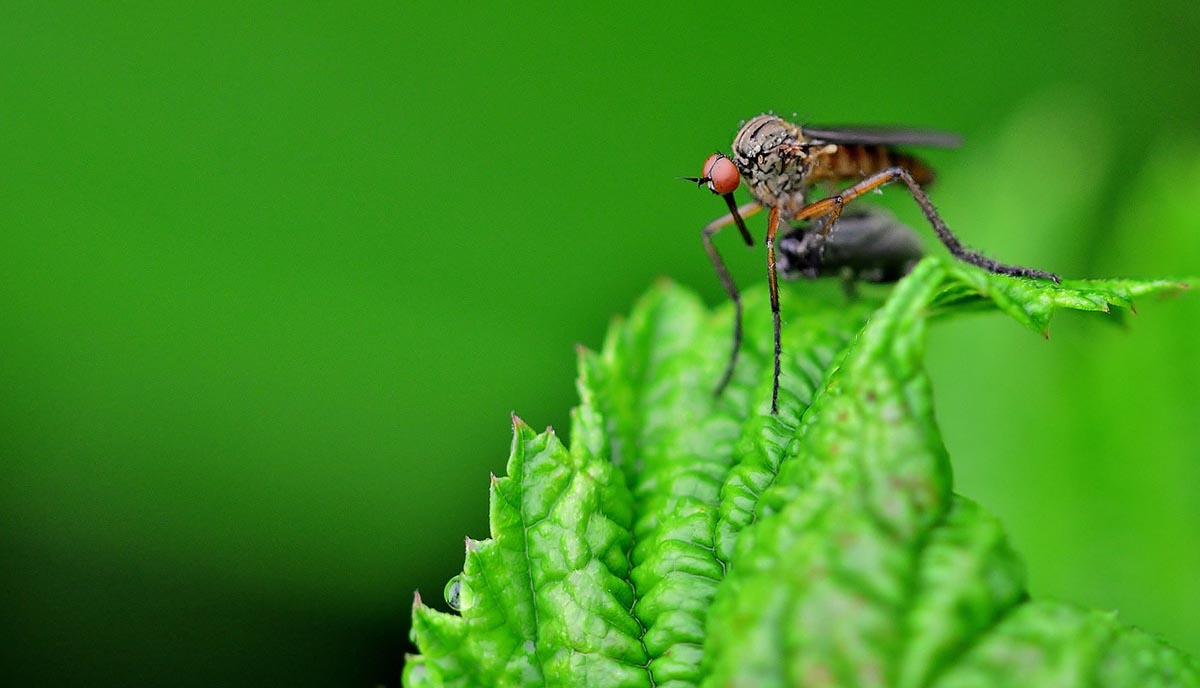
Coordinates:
<point>881,136</point>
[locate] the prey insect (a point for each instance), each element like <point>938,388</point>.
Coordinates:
<point>781,163</point>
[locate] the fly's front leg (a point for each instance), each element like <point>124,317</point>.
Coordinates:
<point>831,208</point>
<point>710,230</point>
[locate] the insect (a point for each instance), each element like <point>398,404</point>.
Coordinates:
<point>781,163</point>
<point>870,245</point>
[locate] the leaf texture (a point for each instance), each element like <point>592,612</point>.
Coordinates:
<point>686,539</point>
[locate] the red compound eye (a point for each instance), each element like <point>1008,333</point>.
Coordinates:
<point>721,173</point>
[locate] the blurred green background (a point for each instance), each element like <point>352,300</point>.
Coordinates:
<point>272,277</point>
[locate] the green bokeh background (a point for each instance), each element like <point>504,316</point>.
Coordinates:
<point>272,277</point>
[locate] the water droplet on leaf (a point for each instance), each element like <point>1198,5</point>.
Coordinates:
<point>454,593</point>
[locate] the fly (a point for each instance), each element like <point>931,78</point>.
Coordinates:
<point>781,162</point>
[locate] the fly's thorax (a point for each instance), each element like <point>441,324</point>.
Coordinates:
<point>770,155</point>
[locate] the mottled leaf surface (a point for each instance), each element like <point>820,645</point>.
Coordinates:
<point>685,539</point>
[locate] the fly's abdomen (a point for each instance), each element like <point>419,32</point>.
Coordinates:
<point>853,162</point>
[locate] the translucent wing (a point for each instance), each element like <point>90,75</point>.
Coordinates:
<point>882,136</point>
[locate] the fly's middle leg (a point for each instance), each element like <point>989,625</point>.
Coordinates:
<point>773,282</point>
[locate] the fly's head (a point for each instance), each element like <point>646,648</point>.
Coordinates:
<point>773,157</point>
<point>720,176</point>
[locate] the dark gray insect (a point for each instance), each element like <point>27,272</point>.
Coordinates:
<point>781,163</point>
<point>868,246</point>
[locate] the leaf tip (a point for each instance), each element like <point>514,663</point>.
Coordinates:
<point>517,423</point>
<point>471,545</point>
<point>417,603</point>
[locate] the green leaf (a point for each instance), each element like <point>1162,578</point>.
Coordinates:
<point>686,539</point>
<point>545,600</point>
<point>1033,302</point>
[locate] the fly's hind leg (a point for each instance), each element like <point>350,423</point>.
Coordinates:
<point>710,230</point>
<point>831,208</point>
